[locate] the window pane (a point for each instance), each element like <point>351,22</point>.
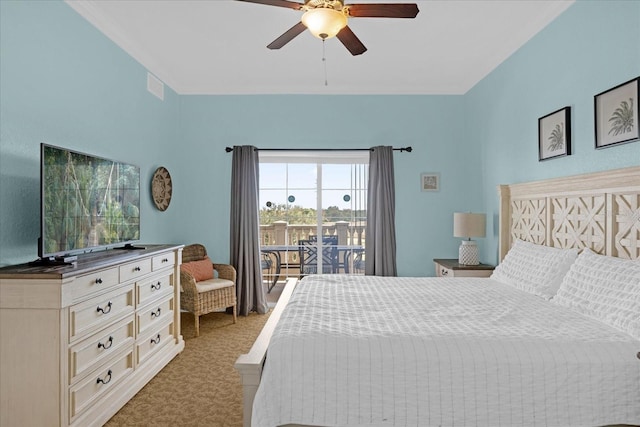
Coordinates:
<point>336,176</point>
<point>302,206</point>
<point>273,175</point>
<point>302,175</point>
<point>273,206</point>
<point>337,205</point>
<point>291,195</point>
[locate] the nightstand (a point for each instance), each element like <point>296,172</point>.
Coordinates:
<point>451,268</point>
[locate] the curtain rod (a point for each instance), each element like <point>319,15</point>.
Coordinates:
<point>407,149</point>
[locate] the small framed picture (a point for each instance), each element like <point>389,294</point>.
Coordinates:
<point>617,115</point>
<point>554,134</point>
<point>430,181</point>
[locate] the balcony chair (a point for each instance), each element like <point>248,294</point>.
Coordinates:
<point>205,286</point>
<point>354,261</point>
<point>268,266</point>
<point>308,253</point>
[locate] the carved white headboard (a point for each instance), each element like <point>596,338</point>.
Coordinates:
<point>600,211</point>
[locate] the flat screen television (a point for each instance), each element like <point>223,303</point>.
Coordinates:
<point>87,203</point>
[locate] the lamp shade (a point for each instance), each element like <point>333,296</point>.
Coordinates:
<point>324,23</point>
<point>469,224</point>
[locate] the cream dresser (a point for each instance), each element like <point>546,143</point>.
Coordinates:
<point>77,342</point>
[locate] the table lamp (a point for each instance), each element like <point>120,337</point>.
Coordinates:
<point>468,225</point>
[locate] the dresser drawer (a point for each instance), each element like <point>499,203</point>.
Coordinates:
<point>452,268</point>
<point>152,343</point>
<point>154,314</point>
<point>148,290</point>
<point>443,271</point>
<point>99,312</point>
<point>159,262</point>
<point>473,273</point>
<point>133,270</point>
<point>98,281</point>
<point>89,353</point>
<point>448,272</point>
<point>88,390</point>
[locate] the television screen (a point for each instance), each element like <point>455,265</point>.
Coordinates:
<point>87,202</point>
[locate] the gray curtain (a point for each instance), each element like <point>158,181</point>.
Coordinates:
<point>245,231</point>
<point>380,247</point>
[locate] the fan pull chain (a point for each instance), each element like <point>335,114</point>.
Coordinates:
<point>324,60</point>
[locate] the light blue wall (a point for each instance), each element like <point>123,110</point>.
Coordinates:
<point>66,84</point>
<point>593,46</point>
<point>63,82</point>
<point>430,124</point>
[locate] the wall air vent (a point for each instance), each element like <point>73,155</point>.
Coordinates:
<point>155,86</point>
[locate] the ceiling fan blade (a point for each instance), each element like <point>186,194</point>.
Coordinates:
<point>351,41</point>
<point>288,35</point>
<point>279,3</point>
<point>383,10</point>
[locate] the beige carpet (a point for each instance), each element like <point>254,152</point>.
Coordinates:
<point>199,387</point>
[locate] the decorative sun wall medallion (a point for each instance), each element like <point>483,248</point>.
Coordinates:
<point>161,188</point>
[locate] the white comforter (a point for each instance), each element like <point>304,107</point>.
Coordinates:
<point>373,351</point>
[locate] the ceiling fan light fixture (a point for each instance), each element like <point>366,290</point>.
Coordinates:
<point>323,22</point>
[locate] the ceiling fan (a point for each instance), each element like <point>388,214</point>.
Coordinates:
<point>328,18</point>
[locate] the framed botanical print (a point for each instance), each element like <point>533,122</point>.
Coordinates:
<point>554,134</point>
<point>617,115</point>
<point>430,181</point>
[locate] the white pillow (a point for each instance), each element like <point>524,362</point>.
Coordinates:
<point>535,268</point>
<point>605,288</point>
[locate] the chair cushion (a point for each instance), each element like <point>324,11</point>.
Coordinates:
<point>213,284</point>
<point>200,270</point>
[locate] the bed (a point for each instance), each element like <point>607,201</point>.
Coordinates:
<point>538,343</point>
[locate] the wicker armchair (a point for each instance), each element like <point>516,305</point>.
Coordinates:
<point>204,296</point>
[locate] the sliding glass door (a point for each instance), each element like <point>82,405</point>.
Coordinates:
<point>312,213</point>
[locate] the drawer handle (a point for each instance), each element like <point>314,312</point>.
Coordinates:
<point>98,281</point>
<point>106,380</point>
<point>156,313</point>
<point>444,272</point>
<point>165,260</point>
<point>107,345</point>
<point>156,287</point>
<point>156,340</point>
<point>136,268</point>
<point>104,310</point>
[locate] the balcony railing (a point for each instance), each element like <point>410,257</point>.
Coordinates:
<point>281,233</point>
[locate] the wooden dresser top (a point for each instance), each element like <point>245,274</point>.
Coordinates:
<point>85,264</point>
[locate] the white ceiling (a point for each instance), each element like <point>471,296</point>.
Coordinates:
<point>219,46</point>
